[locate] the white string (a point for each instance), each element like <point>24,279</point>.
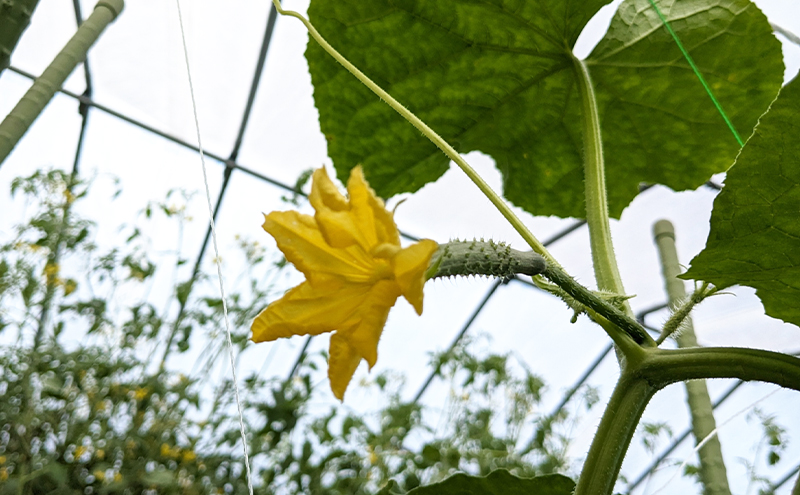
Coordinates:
<point>216,250</point>
<point>712,435</point>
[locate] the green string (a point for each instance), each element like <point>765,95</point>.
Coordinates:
<point>697,73</point>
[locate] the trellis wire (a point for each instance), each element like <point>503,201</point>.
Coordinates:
<point>216,250</point>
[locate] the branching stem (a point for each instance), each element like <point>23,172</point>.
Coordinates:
<point>656,368</point>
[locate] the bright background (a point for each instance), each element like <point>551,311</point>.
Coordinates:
<point>138,70</point>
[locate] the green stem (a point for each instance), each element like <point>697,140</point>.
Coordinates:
<point>666,366</point>
<point>655,369</point>
<point>713,474</point>
<point>54,259</point>
<point>614,434</point>
<point>448,150</point>
<point>624,322</point>
<point>17,122</point>
<point>605,263</point>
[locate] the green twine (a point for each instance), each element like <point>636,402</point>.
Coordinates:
<point>697,73</point>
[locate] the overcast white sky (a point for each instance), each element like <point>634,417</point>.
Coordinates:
<point>138,70</point>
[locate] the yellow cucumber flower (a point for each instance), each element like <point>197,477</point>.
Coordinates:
<point>355,270</point>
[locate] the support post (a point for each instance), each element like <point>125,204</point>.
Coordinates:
<point>16,124</point>
<point>713,474</point>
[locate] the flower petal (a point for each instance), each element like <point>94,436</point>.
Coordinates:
<point>374,221</point>
<point>410,265</point>
<point>302,243</point>
<point>343,360</point>
<point>324,192</point>
<point>307,310</point>
<point>342,363</point>
<point>332,212</point>
<point>372,314</point>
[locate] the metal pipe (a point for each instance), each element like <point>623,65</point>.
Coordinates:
<point>17,123</point>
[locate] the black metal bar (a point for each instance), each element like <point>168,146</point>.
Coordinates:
<point>76,4</point>
<point>198,262</point>
<point>230,166</point>
<point>585,376</point>
<point>679,439</point>
<point>571,392</point>
<point>641,315</point>
<point>300,358</point>
<point>262,56</point>
<point>567,231</point>
<point>460,335</point>
<point>218,158</point>
<point>782,481</point>
<point>89,102</point>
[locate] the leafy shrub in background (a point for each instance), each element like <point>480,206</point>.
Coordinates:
<point>103,417</point>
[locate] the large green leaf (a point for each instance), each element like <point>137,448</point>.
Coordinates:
<point>499,482</point>
<point>755,224</point>
<point>498,76</point>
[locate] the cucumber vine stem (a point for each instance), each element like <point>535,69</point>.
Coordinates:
<point>614,434</point>
<point>605,263</point>
<point>655,369</point>
<point>448,150</point>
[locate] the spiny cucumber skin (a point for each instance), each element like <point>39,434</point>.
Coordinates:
<point>488,258</point>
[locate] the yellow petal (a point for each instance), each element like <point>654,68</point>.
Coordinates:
<point>303,245</point>
<point>372,314</point>
<point>332,212</point>
<point>324,192</point>
<point>370,214</point>
<point>307,310</point>
<point>342,363</point>
<point>410,265</point>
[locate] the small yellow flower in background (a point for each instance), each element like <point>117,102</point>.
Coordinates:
<point>79,451</point>
<point>188,456</point>
<point>355,270</point>
<point>141,393</point>
<point>51,273</point>
<point>99,475</point>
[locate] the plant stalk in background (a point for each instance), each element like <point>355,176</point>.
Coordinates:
<point>713,474</point>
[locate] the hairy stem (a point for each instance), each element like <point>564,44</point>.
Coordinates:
<point>605,263</point>
<point>614,434</point>
<point>713,474</point>
<point>448,150</point>
<point>624,322</point>
<point>654,369</point>
<point>665,366</point>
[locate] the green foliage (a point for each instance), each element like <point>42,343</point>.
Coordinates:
<point>93,419</point>
<point>499,482</point>
<point>499,77</point>
<point>754,229</point>
<point>104,418</point>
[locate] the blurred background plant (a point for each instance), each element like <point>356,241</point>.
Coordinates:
<point>88,405</point>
